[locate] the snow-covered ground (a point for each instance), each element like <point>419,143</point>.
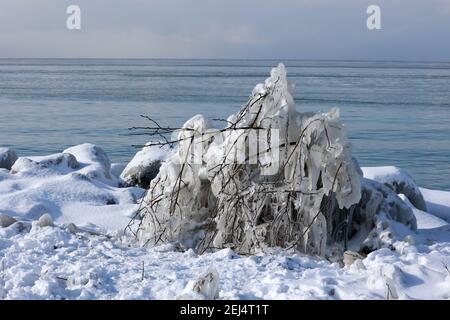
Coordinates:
<point>83,190</point>
<point>93,260</point>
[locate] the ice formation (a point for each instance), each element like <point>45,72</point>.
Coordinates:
<point>272,177</point>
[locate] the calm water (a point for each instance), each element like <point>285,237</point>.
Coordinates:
<point>397,113</point>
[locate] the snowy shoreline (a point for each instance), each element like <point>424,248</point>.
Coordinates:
<point>94,261</point>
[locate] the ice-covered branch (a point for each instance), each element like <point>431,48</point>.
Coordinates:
<point>272,177</point>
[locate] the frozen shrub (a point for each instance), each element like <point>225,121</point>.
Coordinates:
<point>272,177</point>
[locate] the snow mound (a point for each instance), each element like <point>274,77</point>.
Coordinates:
<point>438,203</point>
<point>68,189</point>
<point>425,220</point>
<point>94,162</point>
<point>56,163</point>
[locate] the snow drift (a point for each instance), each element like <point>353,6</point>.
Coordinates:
<point>75,186</point>
<point>291,182</point>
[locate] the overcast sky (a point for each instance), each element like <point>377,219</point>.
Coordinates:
<point>279,29</point>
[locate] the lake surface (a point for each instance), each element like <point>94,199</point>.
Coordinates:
<point>397,113</point>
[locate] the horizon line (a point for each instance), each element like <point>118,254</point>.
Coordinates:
<point>232,59</point>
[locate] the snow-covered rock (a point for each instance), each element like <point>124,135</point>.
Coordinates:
<point>399,181</point>
<point>7,158</point>
<point>72,228</point>
<point>57,163</point>
<point>94,162</point>
<point>6,221</point>
<point>208,285</point>
<point>144,166</point>
<point>45,221</point>
<point>68,190</point>
<point>350,257</point>
<point>377,215</point>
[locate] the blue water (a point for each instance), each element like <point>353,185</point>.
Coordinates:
<point>397,113</point>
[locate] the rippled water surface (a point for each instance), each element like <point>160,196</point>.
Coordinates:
<point>397,113</point>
